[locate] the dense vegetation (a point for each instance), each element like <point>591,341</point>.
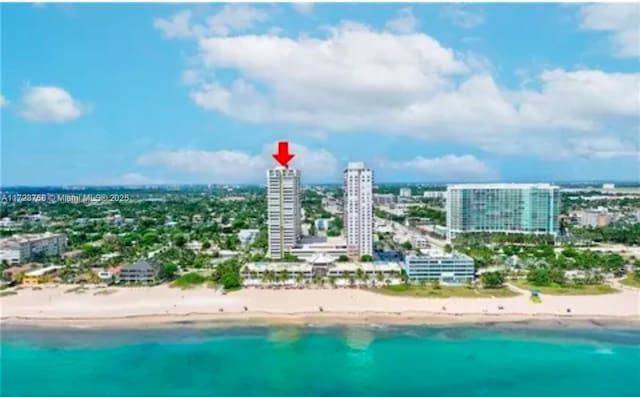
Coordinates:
<point>628,234</point>
<point>436,291</point>
<point>480,238</point>
<point>437,216</point>
<point>189,280</point>
<point>227,274</point>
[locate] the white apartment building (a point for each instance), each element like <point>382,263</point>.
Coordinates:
<point>434,194</point>
<point>593,217</point>
<point>247,236</point>
<point>358,209</point>
<point>384,198</point>
<point>283,210</point>
<point>21,248</point>
<point>253,273</point>
<point>405,192</point>
<point>330,247</point>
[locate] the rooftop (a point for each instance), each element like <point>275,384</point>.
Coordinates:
<point>43,271</point>
<point>436,253</point>
<point>502,186</point>
<point>356,165</point>
<point>339,266</point>
<point>23,238</point>
<point>142,265</point>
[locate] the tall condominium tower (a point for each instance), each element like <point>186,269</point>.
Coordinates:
<point>358,209</point>
<point>283,210</point>
<point>503,207</point>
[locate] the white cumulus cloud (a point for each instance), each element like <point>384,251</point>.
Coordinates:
<point>358,79</point>
<point>620,20</point>
<point>176,26</point>
<point>232,166</point>
<point>405,22</point>
<point>134,178</point>
<point>448,167</point>
<point>231,18</point>
<point>303,8</point>
<point>50,104</point>
<point>463,17</point>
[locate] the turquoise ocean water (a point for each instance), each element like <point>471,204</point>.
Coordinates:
<point>359,361</point>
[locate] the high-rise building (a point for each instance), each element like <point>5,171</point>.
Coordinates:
<point>405,192</point>
<point>358,209</point>
<point>503,207</point>
<point>283,210</point>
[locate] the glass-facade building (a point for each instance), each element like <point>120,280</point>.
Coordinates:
<point>448,268</point>
<point>506,208</point>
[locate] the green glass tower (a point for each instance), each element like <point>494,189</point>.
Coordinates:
<point>504,207</point>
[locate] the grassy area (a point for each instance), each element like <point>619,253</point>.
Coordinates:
<point>444,291</point>
<point>535,299</point>
<point>189,280</point>
<point>105,292</point>
<point>76,290</point>
<point>597,289</point>
<point>7,293</point>
<point>630,281</point>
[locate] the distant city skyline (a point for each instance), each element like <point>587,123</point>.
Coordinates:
<point>422,93</point>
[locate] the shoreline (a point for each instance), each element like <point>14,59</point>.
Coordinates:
<point>164,306</point>
<point>319,319</point>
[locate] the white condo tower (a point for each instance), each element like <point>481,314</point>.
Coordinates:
<point>283,210</point>
<point>358,209</point>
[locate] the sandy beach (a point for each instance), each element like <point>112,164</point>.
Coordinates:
<point>161,305</point>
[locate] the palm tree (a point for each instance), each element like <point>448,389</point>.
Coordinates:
<point>352,281</point>
<point>365,278</point>
<point>299,279</point>
<point>332,281</point>
<point>360,275</point>
<point>380,277</point>
<point>435,284</point>
<point>270,277</point>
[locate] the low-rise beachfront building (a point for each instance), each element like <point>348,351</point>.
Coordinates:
<point>433,264</point>
<point>13,274</point>
<point>40,276</point>
<point>310,247</point>
<point>144,271</point>
<point>346,270</point>
<point>322,267</point>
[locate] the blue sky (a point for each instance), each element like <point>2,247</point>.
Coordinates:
<point>143,94</point>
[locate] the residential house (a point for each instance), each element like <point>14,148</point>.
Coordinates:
<point>143,271</point>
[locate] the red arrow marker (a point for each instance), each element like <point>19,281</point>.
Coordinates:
<point>283,156</point>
